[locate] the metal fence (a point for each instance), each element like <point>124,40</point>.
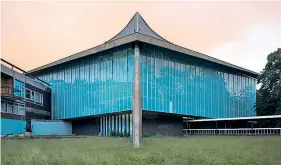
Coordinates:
<point>235,132</point>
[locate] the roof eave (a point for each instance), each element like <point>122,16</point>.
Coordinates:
<point>145,39</point>
<point>171,46</point>
<point>99,48</point>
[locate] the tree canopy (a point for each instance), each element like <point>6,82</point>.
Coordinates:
<point>269,94</point>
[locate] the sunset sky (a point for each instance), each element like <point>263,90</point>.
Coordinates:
<point>242,33</point>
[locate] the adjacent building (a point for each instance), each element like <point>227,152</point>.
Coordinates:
<point>93,89</point>
<point>23,98</point>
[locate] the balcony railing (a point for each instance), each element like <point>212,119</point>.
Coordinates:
<point>25,73</point>
<point>235,132</point>
<point>10,91</point>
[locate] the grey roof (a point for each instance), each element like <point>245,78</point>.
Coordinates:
<point>153,39</point>
<point>137,25</point>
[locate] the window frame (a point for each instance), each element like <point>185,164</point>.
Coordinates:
<point>41,98</point>
<point>30,94</point>
<point>19,106</point>
<point>17,93</point>
<point>19,85</point>
<point>22,106</point>
<point>35,99</point>
<point>16,109</point>
<point>39,101</point>
<point>5,109</point>
<point>11,104</point>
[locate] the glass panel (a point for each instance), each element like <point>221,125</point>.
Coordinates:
<point>19,87</point>
<point>41,98</point>
<point>17,92</point>
<point>37,98</point>
<point>10,107</point>
<point>21,109</point>
<point>16,109</point>
<point>3,106</point>
<point>32,96</point>
<point>28,94</point>
<point>170,83</point>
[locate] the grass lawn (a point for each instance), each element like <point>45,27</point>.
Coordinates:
<point>101,150</point>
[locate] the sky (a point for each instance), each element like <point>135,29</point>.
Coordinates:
<point>242,33</point>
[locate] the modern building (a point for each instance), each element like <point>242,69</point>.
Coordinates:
<point>93,89</point>
<point>23,98</point>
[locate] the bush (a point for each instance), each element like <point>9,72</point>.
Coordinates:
<point>112,133</point>
<point>127,134</point>
<point>121,134</point>
<point>117,134</point>
<point>146,135</point>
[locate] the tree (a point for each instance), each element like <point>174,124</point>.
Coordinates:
<point>269,95</point>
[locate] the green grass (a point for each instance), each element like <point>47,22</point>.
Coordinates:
<point>100,150</point>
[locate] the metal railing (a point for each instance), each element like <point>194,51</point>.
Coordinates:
<point>26,73</point>
<point>8,90</point>
<point>235,132</point>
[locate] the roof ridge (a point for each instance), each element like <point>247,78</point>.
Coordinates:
<point>137,25</point>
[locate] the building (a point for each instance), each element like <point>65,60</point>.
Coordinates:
<point>23,98</point>
<point>93,89</point>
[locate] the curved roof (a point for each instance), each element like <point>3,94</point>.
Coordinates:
<point>137,25</point>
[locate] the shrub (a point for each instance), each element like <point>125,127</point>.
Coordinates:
<point>117,134</point>
<point>127,134</point>
<point>146,135</point>
<point>112,133</point>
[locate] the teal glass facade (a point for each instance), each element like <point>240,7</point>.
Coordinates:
<point>176,83</point>
<point>171,82</point>
<point>97,84</point>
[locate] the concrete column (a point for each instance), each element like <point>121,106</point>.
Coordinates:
<point>137,103</point>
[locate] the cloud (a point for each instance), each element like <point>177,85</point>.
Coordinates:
<point>251,51</point>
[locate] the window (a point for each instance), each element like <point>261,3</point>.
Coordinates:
<point>28,94</point>
<point>10,107</point>
<point>16,109</point>
<point>32,95</point>
<point>3,106</point>
<point>37,97</point>
<point>41,98</point>
<point>19,87</point>
<point>16,91</point>
<point>19,109</point>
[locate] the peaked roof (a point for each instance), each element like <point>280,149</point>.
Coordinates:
<point>137,25</point>
<point>138,30</point>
